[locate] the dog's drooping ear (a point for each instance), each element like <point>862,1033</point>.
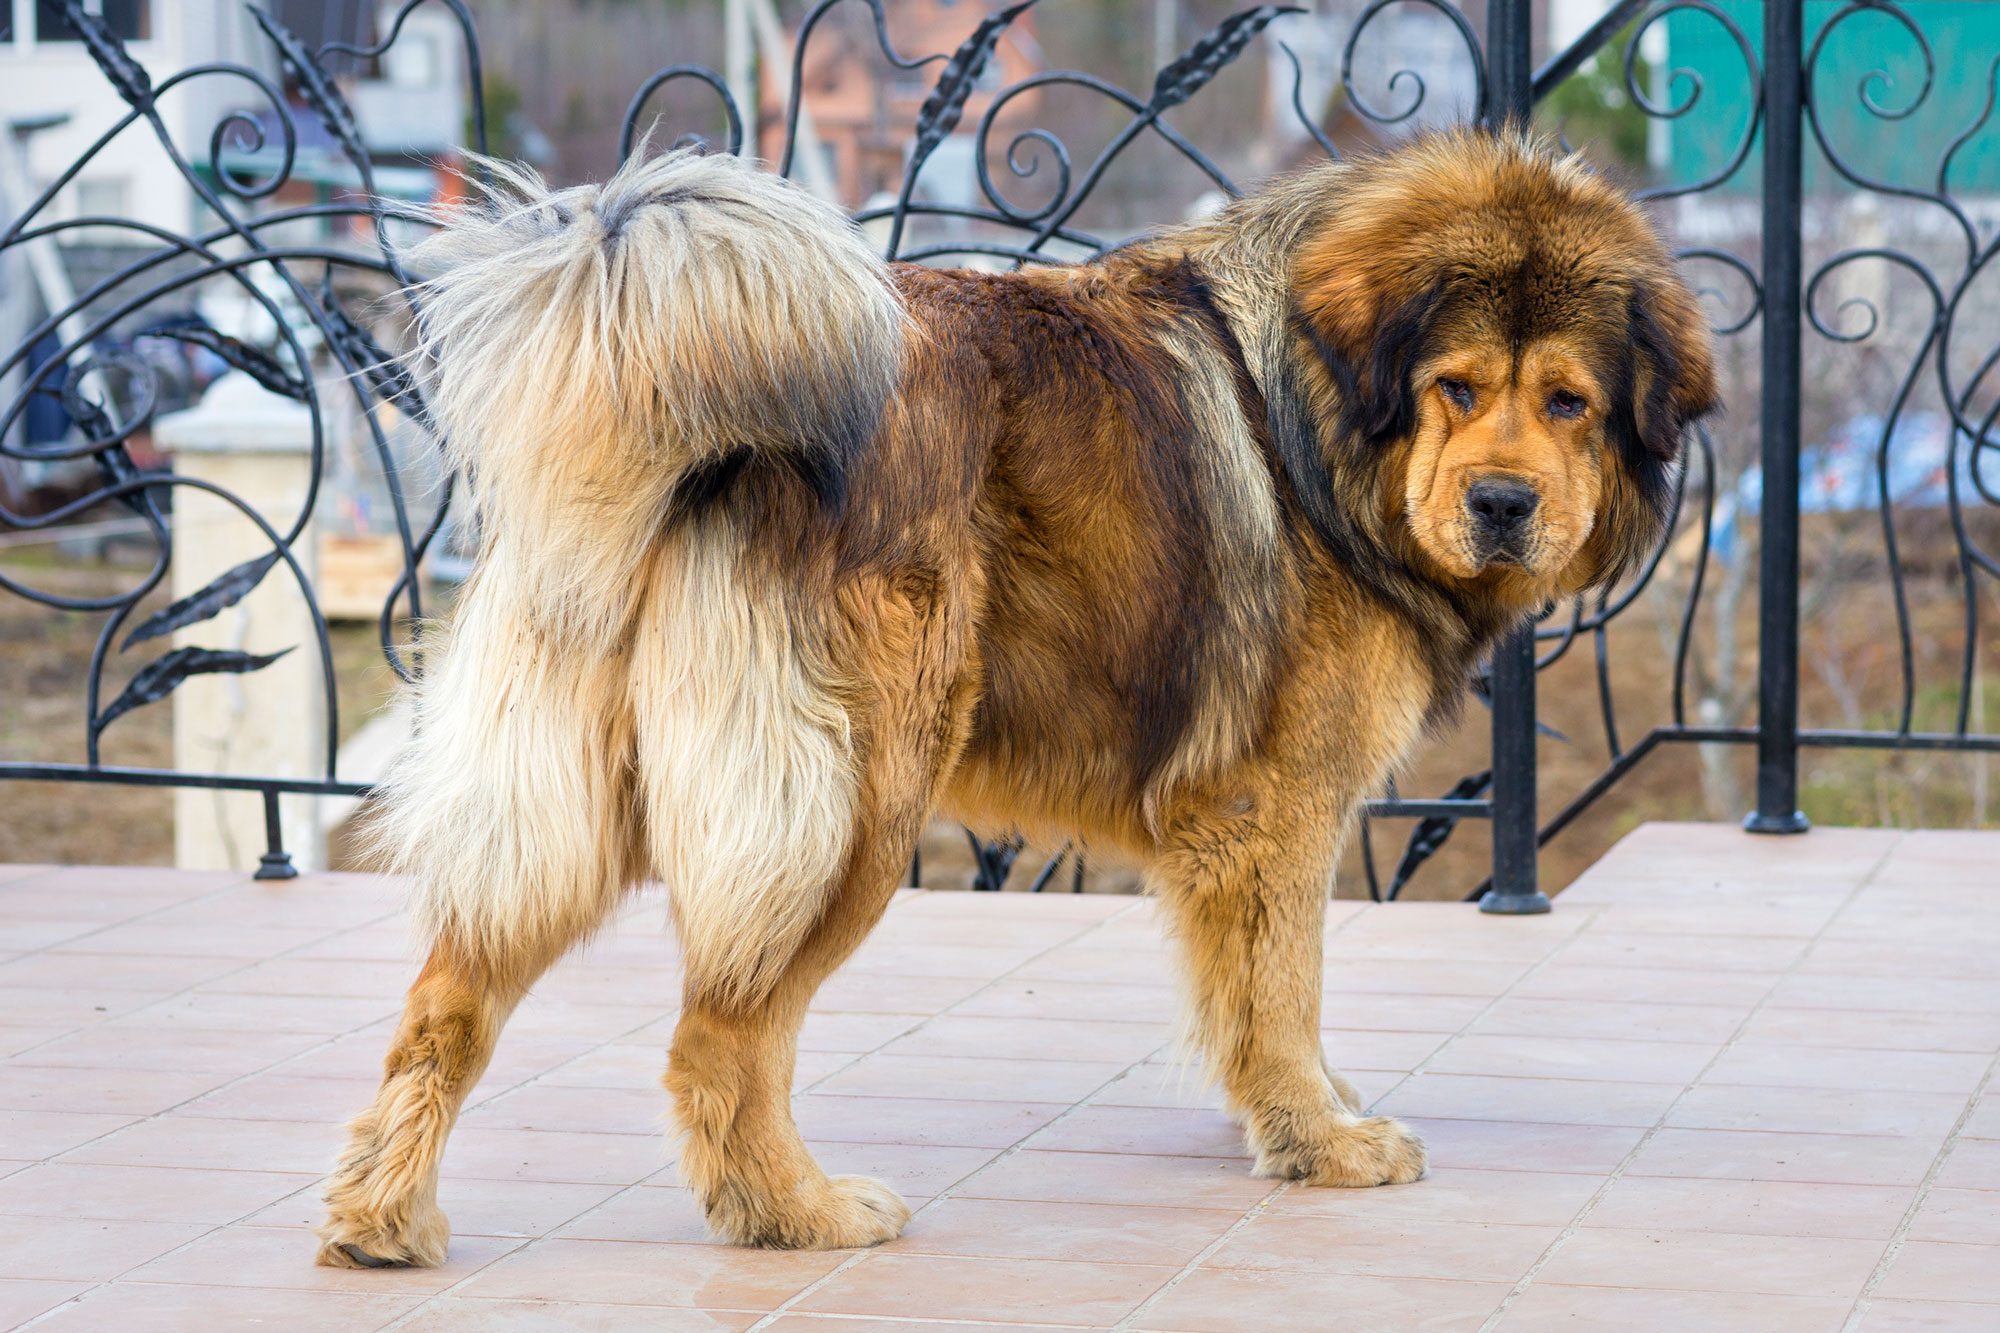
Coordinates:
<point>1368,335</point>
<point>1669,378</point>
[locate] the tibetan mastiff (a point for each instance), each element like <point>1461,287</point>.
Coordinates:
<point>786,549</point>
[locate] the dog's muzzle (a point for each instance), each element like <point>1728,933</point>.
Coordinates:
<point>1502,510</point>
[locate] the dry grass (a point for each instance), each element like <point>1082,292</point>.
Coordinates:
<point>45,659</point>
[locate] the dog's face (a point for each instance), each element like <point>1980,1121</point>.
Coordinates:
<point>1514,356</point>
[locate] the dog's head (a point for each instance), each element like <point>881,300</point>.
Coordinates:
<point>1513,356</point>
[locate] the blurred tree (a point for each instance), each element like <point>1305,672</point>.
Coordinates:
<point>1594,109</point>
<point>503,117</point>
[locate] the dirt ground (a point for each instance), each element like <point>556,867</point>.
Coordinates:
<point>44,655</point>
<point>45,659</point>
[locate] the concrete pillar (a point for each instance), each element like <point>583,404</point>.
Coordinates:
<point>268,723</point>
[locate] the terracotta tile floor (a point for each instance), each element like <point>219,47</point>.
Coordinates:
<point>1730,1083</point>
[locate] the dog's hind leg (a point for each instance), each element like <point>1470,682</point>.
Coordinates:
<point>730,1075</point>
<point>382,1197</point>
<point>832,808</point>
<point>513,812</point>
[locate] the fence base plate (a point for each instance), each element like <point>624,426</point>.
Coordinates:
<point>1515,904</point>
<point>1758,822</point>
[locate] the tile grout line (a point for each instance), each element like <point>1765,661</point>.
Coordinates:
<point>666,1131</point>
<point>1901,1235</point>
<point>1464,1029</point>
<point>194,986</point>
<point>330,1039</point>
<point>1192,1266</point>
<point>226,1084</point>
<point>1617,1173</point>
<point>425,1300</point>
<point>44,951</point>
<point>422,1301</point>
<point>948,1192</point>
<point>527,1241</point>
<point>241,877</point>
<point>927,1322</point>
<point>926,1019</point>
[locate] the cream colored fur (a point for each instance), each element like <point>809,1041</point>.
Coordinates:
<point>1235,483</point>
<point>745,758</point>
<point>512,807</point>
<point>583,351</point>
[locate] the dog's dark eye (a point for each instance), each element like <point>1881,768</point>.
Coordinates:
<point>1457,392</point>
<point>1565,405</point>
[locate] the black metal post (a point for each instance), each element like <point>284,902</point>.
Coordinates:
<point>1510,83</point>
<point>1778,554</point>
<point>1510,62</point>
<point>276,862</point>
<point>1515,819</point>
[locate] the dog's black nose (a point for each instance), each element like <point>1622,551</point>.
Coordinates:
<point>1500,509</point>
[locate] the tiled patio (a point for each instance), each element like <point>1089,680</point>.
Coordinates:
<point>1730,1083</point>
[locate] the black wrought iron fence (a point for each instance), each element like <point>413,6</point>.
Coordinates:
<point>322,349</point>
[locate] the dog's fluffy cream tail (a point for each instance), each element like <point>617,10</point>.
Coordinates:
<point>589,351</point>
<point>615,695</point>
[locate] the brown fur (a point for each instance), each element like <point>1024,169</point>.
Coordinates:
<point>1170,551</point>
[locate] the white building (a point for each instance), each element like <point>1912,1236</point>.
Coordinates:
<point>54,102</point>
<point>46,76</point>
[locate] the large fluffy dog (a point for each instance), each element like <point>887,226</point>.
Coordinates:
<point>786,549</point>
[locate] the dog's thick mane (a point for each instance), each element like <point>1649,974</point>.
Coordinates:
<point>1237,269</point>
<point>1328,417</point>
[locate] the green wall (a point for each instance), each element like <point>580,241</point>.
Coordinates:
<point>1964,38</point>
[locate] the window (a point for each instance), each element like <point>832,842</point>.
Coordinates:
<point>104,197</point>
<point>101,197</point>
<point>127,19</point>
<point>414,61</point>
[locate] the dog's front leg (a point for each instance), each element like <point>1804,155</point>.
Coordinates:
<point>1247,888</point>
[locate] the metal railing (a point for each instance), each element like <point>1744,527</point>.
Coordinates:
<point>107,394</point>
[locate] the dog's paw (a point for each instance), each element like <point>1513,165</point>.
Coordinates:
<point>418,1239</point>
<point>863,1211</point>
<point>1344,1152</point>
<point>851,1212</point>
